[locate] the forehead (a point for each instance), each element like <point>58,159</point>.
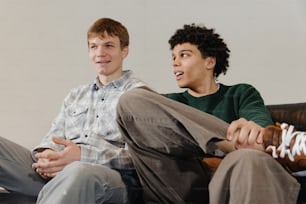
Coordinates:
<point>103,38</point>
<point>184,47</point>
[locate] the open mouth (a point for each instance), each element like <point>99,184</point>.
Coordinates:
<point>178,73</point>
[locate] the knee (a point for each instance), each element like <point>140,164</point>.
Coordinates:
<point>77,172</point>
<point>77,176</point>
<point>243,154</point>
<point>83,172</point>
<point>134,99</point>
<point>247,157</point>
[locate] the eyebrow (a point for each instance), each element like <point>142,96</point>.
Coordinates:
<point>110,41</point>
<point>185,50</point>
<point>104,43</point>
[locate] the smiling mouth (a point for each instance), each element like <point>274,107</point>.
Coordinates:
<point>103,62</point>
<point>178,73</point>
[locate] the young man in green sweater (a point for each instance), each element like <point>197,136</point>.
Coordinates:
<point>168,137</point>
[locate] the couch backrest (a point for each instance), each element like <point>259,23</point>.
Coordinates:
<point>293,114</point>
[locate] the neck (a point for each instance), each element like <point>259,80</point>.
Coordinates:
<point>204,90</point>
<point>104,80</point>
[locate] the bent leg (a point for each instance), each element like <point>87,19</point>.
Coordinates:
<point>80,183</point>
<point>16,173</point>
<point>251,176</point>
<point>166,140</point>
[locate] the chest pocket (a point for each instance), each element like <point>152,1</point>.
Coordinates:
<point>76,117</point>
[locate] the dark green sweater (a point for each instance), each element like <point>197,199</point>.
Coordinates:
<point>229,103</point>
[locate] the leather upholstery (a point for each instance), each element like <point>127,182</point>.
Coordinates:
<point>293,114</point>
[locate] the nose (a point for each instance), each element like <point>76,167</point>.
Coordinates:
<point>175,62</point>
<point>100,51</point>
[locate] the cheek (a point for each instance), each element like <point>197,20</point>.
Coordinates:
<point>91,56</point>
<point>189,67</point>
<point>117,57</point>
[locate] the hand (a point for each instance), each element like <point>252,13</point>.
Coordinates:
<point>51,162</point>
<point>43,175</point>
<point>245,134</point>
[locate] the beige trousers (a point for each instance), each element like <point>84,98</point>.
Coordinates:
<point>167,141</point>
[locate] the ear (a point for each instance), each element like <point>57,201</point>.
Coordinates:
<point>210,62</point>
<point>125,51</point>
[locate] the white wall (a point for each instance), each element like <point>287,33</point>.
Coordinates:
<point>43,51</point>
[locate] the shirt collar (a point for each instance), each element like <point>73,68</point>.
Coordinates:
<point>116,83</point>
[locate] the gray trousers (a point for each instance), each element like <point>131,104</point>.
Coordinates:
<point>167,140</point>
<point>77,183</point>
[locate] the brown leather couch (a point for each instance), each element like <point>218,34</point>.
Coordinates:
<point>294,113</point>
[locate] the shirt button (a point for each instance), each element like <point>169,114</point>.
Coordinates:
<point>102,99</point>
<point>97,116</point>
<point>86,135</point>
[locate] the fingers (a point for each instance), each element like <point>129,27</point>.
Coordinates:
<point>51,154</point>
<point>47,168</point>
<point>61,141</point>
<point>249,135</point>
<point>48,171</point>
<point>239,129</point>
<point>259,139</point>
<point>47,164</point>
<point>46,175</point>
<point>48,154</point>
<point>47,159</point>
<point>245,133</point>
<point>255,136</point>
<point>233,127</point>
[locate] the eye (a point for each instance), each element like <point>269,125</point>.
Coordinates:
<point>109,45</point>
<point>184,54</point>
<point>92,47</point>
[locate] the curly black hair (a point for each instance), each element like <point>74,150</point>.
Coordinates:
<point>208,42</point>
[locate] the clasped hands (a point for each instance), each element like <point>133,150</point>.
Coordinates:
<point>50,162</point>
<point>245,134</point>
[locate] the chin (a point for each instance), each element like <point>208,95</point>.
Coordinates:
<point>181,85</point>
<point>102,70</point>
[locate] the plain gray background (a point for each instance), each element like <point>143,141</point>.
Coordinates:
<point>43,50</point>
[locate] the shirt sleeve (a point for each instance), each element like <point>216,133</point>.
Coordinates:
<point>252,107</point>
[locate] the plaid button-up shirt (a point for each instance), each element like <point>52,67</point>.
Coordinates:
<point>88,118</point>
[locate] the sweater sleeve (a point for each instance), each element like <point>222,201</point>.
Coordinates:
<point>251,105</point>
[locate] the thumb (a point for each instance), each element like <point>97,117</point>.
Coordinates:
<point>60,141</point>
